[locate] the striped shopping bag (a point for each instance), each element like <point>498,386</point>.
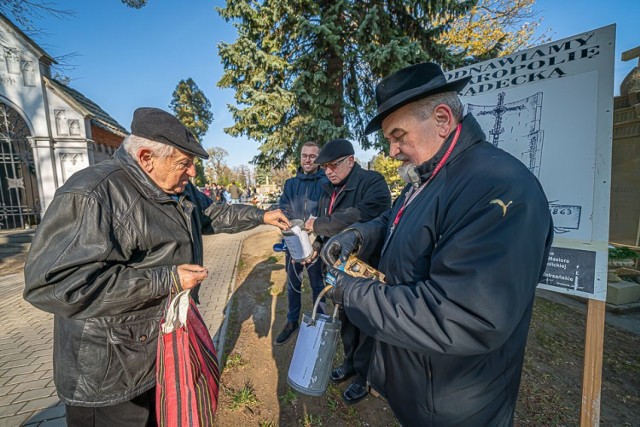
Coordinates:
<point>187,369</point>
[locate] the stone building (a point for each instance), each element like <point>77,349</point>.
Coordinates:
<point>48,130</point>
<point>624,224</point>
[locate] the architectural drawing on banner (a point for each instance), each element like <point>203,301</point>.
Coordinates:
<point>516,124</point>
<point>516,127</point>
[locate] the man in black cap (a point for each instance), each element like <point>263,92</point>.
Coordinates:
<point>462,250</point>
<point>353,195</point>
<point>118,237</point>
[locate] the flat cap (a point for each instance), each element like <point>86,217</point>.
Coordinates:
<point>163,127</point>
<point>333,150</point>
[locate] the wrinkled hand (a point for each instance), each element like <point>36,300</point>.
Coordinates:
<point>340,247</point>
<point>309,224</point>
<point>191,275</point>
<point>277,218</point>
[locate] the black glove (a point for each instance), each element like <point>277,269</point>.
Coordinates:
<point>340,246</point>
<point>340,281</point>
<point>335,278</point>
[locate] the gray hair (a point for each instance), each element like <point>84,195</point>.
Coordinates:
<point>424,108</point>
<point>133,143</point>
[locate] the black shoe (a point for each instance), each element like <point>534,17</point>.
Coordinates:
<point>286,333</point>
<point>354,393</point>
<point>339,375</point>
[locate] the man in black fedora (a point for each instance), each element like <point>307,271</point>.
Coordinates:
<point>352,195</point>
<point>118,237</point>
<point>462,250</point>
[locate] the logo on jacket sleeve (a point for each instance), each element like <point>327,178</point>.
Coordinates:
<point>501,204</point>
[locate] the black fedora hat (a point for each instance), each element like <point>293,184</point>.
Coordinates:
<point>410,84</point>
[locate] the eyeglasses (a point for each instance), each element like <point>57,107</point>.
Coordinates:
<point>309,156</point>
<point>334,164</point>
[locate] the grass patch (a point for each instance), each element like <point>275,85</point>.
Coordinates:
<point>311,420</point>
<point>275,290</point>
<point>289,397</point>
<point>267,423</point>
<point>234,360</point>
<point>332,404</point>
<point>243,398</point>
<point>242,264</point>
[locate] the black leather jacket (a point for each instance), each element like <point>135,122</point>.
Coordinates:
<point>100,262</point>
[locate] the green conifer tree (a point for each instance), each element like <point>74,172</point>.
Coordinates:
<point>193,109</point>
<point>307,69</point>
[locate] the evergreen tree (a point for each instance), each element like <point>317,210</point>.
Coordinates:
<point>307,69</point>
<point>193,109</point>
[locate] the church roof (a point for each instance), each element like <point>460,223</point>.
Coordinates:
<point>86,107</point>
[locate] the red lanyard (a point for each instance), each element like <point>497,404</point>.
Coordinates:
<point>439,166</point>
<point>334,196</point>
<point>407,199</point>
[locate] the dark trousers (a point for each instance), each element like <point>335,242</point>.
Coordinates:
<point>138,412</point>
<point>294,283</point>
<point>358,349</point>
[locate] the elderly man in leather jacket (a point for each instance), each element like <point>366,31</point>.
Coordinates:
<point>115,240</point>
<point>462,250</point>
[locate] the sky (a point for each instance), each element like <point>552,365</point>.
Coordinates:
<point>127,58</point>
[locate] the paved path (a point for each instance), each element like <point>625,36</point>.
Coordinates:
<point>27,393</point>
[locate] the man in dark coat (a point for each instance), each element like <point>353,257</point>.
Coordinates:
<point>462,249</point>
<point>353,195</point>
<point>117,238</point>
<point>299,200</point>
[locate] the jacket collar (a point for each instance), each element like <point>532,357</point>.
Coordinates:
<point>470,134</point>
<point>139,178</point>
<point>309,176</point>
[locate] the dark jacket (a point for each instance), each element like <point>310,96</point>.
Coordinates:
<point>452,323</point>
<point>100,262</point>
<point>300,195</point>
<point>365,196</point>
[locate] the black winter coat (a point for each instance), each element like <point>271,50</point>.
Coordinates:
<point>101,261</point>
<point>452,323</point>
<point>365,196</point>
<point>300,195</point>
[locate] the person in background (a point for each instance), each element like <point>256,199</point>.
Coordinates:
<point>462,251</point>
<point>116,240</point>
<point>299,200</point>
<point>219,194</point>
<point>235,193</point>
<point>353,195</point>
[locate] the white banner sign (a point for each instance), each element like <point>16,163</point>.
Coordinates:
<point>552,107</point>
